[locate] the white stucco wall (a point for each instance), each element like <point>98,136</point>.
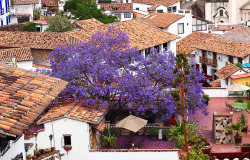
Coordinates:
<point>142,7</point>
<point>172,46</point>
<point>78,130</point>
<point>187,20</point>
<point>15,149</point>
<point>133,155</point>
<point>22,9</point>
<point>122,16</point>
<point>25,64</point>
<point>216,92</point>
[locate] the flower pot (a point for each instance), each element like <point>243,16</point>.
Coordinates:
<point>245,148</point>
<point>37,154</point>
<point>42,151</point>
<point>186,148</point>
<point>52,148</point>
<point>67,148</point>
<point>206,149</point>
<point>34,157</point>
<point>29,157</point>
<point>237,139</point>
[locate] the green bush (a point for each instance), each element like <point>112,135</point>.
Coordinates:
<point>166,131</point>
<point>196,154</point>
<point>108,136</point>
<point>29,27</point>
<point>238,64</point>
<point>239,100</point>
<point>36,14</point>
<point>205,96</point>
<point>152,131</point>
<point>246,145</point>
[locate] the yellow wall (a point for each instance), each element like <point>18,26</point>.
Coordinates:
<point>245,81</point>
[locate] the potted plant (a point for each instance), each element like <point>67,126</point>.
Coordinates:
<point>29,157</point>
<point>33,157</point>
<point>195,154</point>
<point>153,132</point>
<point>242,120</point>
<point>245,147</point>
<point>165,133</point>
<point>109,137</point>
<point>52,148</point>
<point>27,132</point>
<point>206,97</point>
<point>47,150</point>
<point>37,153</point>
<point>237,127</point>
<point>41,151</point>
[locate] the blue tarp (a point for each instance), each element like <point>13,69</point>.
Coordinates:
<point>246,65</point>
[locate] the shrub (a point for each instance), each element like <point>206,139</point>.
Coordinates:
<point>165,131</point>
<point>29,27</point>
<point>152,131</point>
<point>239,100</point>
<point>238,64</point>
<point>246,145</point>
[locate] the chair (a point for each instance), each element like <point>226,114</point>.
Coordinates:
<point>229,106</point>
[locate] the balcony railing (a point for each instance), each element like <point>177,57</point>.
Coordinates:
<point>209,61</point>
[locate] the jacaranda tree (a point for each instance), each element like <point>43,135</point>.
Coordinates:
<point>106,69</point>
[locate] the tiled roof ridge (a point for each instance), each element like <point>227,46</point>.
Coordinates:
<point>154,27</point>
<point>227,71</point>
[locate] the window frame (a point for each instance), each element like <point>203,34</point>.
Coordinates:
<point>126,15</point>
<point>182,28</point>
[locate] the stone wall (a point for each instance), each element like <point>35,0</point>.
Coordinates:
<point>12,27</point>
<point>220,122</point>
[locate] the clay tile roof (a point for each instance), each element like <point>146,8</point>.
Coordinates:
<point>138,15</point>
<point>21,15</point>
<point>165,3</point>
<point>21,54</point>
<point>141,35</point>
<point>245,75</point>
<point>161,20</point>
<point>227,47</point>
<point>22,2</point>
<point>215,83</point>
<point>152,8</point>
<point>89,23</point>
<point>24,95</point>
<point>239,34</point>
<point>117,7</point>
<point>33,40</point>
<point>189,42</point>
<point>50,3</point>
<point>71,109</point>
<point>227,71</point>
<point>222,27</point>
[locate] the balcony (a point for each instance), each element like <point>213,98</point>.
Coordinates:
<point>209,61</point>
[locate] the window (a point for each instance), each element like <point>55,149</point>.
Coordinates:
<point>221,12</point>
<point>240,60</point>
<point>67,140</point>
<point>180,28</point>
<point>137,9</point>
<point>231,59</point>
<point>174,8</point>
<point>160,11</point>
<point>118,16</point>
<point>169,9</point>
<point>199,25</point>
<point>165,45</point>
<point>38,29</point>
<point>127,15</point>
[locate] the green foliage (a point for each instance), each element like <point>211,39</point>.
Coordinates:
<point>239,100</point>
<point>36,14</point>
<point>237,127</point>
<point>205,96</point>
<point>29,27</point>
<point>108,136</point>
<point>246,145</point>
<point>152,131</point>
<point>165,131</point>
<point>242,106</point>
<point>238,64</point>
<point>59,24</point>
<point>196,154</point>
<point>104,1</point>
<point>87,9</point>
<point>242,119</point>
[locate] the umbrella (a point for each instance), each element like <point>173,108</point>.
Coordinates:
<point>237,87</point>
<point>246,65</point>
<point>132,123</point>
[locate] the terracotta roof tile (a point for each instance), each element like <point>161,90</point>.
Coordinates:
<point>20,2</point>
<point>165,3</point>
<point>215,83</point>
<point>227,47</point>
<point>21,54</point>
<point>117,7</point>
<point>20,104</point>
<point>50,3</point>
<point>239,34</point>
<point>141,35</point>
<point>70,109</point>
<point>245,75</point>
<point>89,23</point>
<point>138,15</point>
<point>189,42</point>
<point>33,40</point>
<point>227,71</point>
<point>161,20</point>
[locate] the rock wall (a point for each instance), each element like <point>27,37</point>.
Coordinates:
<point>220,122</point>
